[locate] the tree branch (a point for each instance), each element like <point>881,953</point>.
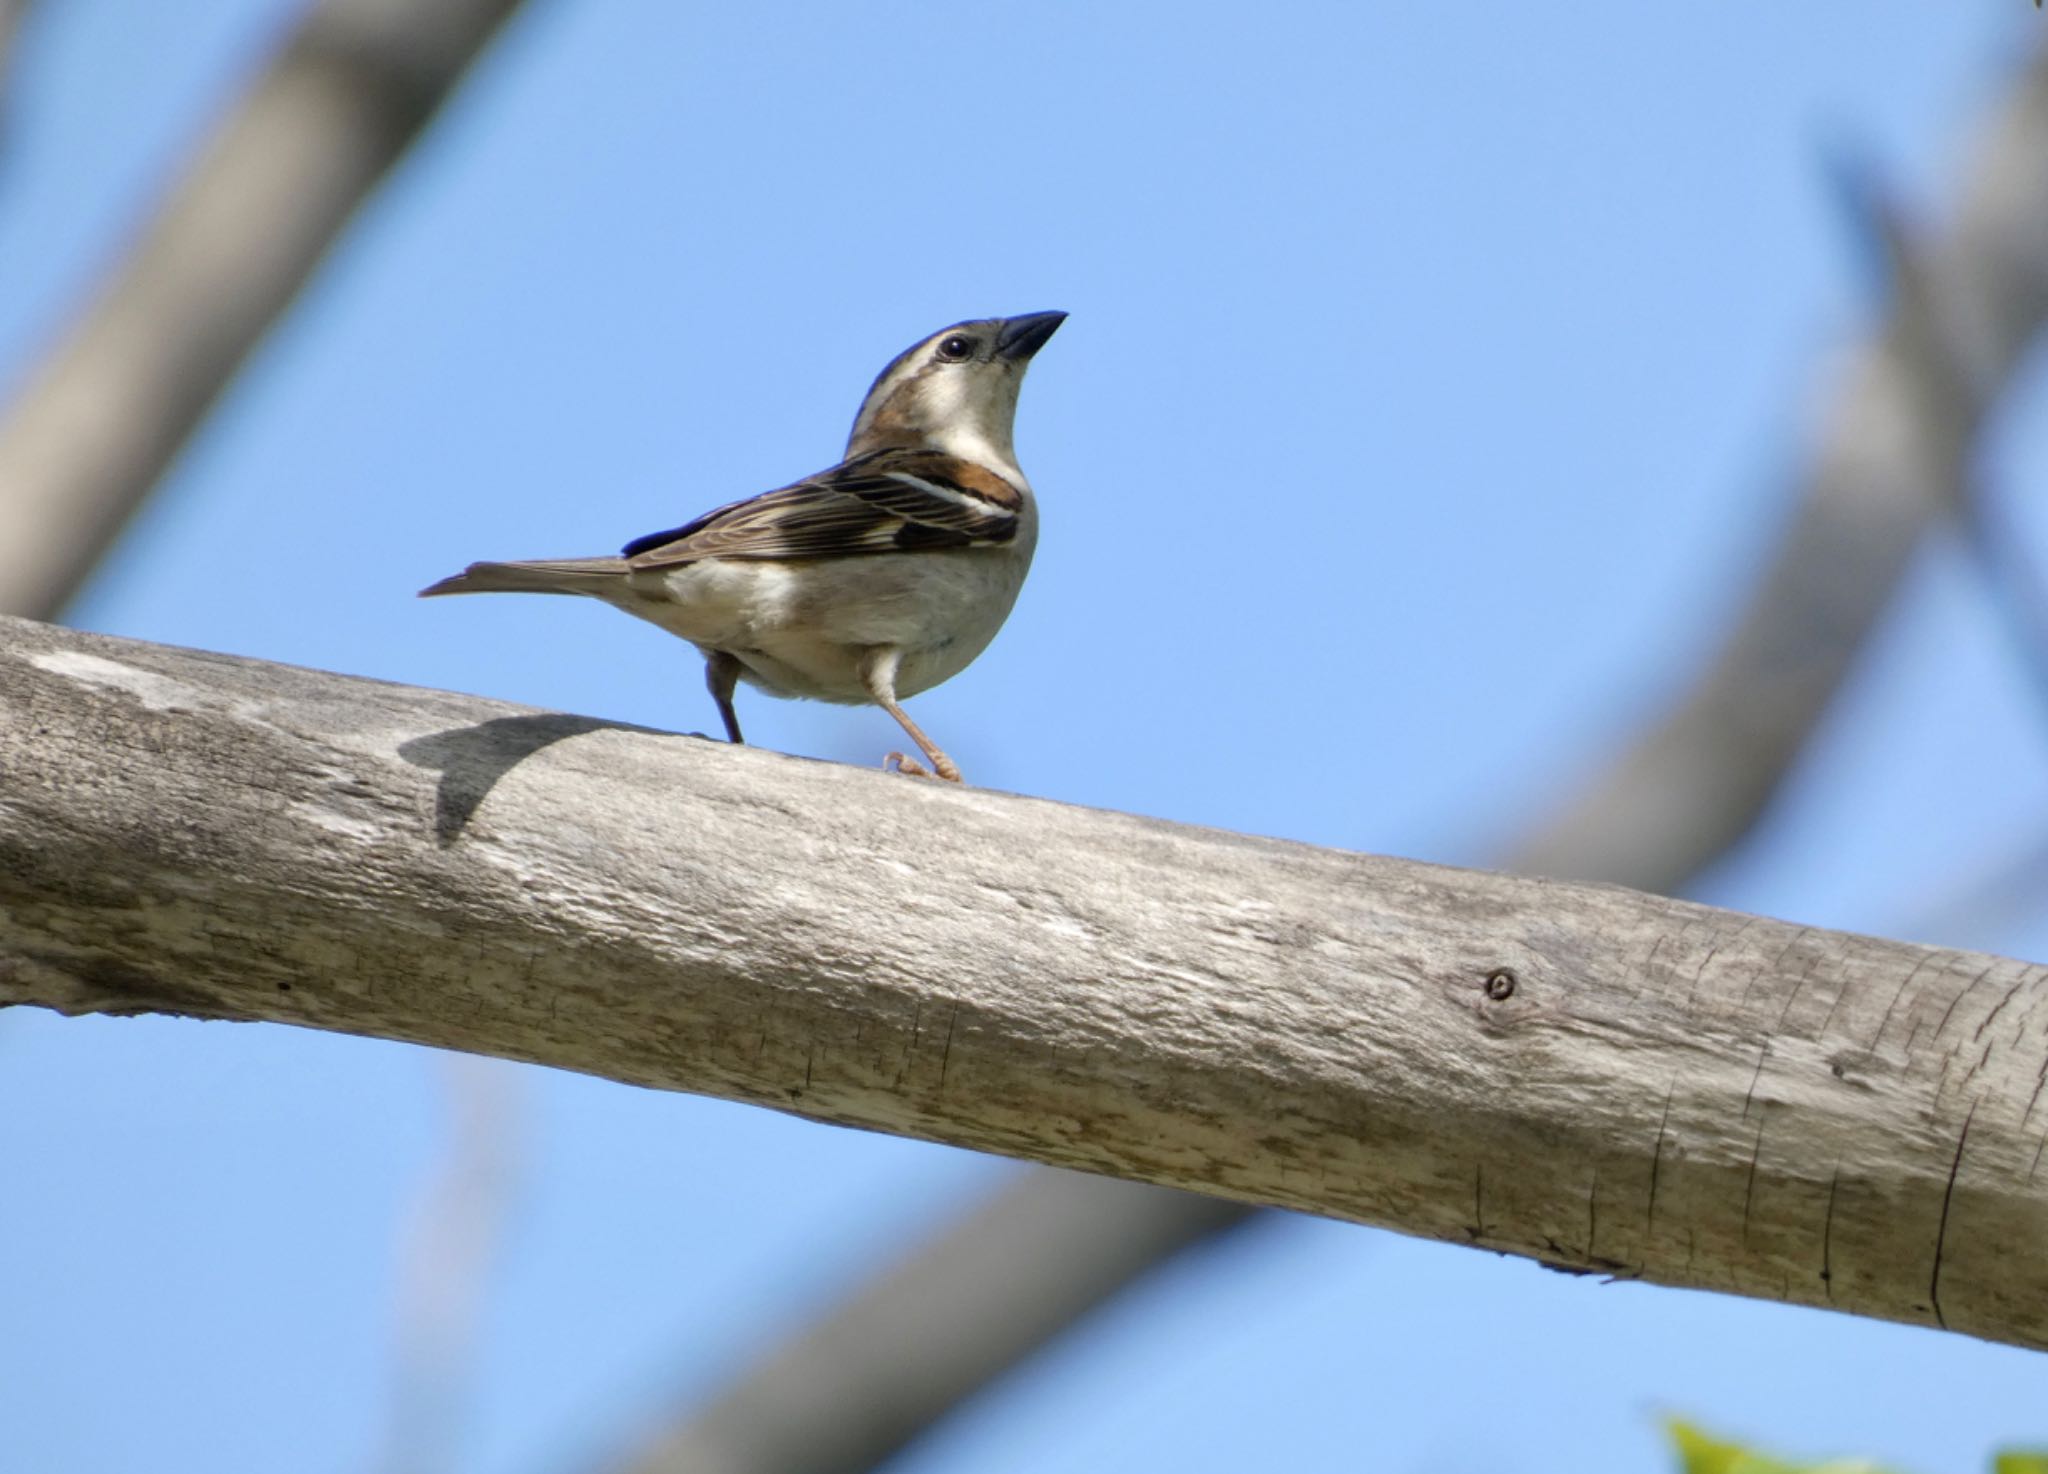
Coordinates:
<point>1585,1075</point>
<point>227,250</point>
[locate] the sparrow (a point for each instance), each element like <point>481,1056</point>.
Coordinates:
<point>864,584</point>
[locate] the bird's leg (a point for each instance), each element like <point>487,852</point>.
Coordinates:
<point>721,675</point>
<point>878,674</point>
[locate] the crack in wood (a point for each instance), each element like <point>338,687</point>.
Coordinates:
<point>1657,1160</point>
<point>1756,1151</point>
<point>946,1049</point>
<point>1891,1007</point>
<point>1941,1233</point>
<point>1827,1235</point>
<point>1798,986</point>
<point>1953,1003</point>
<point>1999,1007</point>
<point>1749,1095</point>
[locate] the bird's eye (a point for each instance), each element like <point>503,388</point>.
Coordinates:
<point>956,348</point>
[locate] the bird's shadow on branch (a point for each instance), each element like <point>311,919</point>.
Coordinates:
<point>471,760</point>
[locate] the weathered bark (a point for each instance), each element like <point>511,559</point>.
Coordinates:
<point>225,253</point>
<point>1582,1074</point>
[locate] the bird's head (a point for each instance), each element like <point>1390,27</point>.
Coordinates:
<point>956,391</point>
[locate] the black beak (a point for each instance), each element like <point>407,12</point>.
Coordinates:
<point>1020,337</point>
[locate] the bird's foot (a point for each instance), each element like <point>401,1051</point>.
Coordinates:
<point>910,767</point>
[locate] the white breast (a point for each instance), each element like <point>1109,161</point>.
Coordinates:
<point>800,629</point>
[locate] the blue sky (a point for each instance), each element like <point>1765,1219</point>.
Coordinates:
<point>1435,378</point>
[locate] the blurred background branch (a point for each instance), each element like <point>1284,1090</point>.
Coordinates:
<point>226,250</point>
<point>924,1335</point>
<point>1893,455</point>
<point>89,435</point>
<point>2013,575</point>
<point>1961,360</point>
<point>445,1258</point>
<point>11,14</point>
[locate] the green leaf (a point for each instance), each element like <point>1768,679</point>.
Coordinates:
<point>1699,1453</point>
<point>2015,1461</point>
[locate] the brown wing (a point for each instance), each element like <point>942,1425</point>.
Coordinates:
<point>891,501</point>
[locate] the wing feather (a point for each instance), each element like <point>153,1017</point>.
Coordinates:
<point>890,501</point>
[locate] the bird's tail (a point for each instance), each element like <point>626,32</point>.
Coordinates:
<point>598,577</point>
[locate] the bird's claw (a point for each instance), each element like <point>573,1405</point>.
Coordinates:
<point>910,767</point>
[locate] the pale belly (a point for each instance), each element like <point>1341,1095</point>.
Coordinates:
<point>801,629</point>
